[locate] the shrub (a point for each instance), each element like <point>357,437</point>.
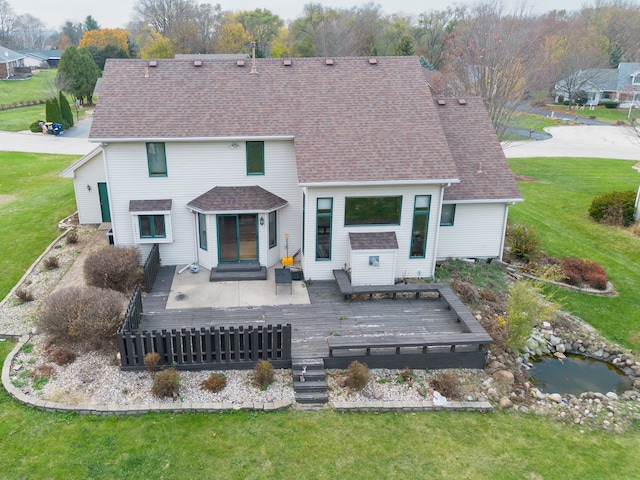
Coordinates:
<point>215,383</point>
<point>614,208</point>
<point>447,383</point>
<point>525,305</point>
<point>72,237</point>
<point>166,384</point>
<point>609,104</point>
<point>62,356</point>
<point>523,241</point>
<point>24,295</point>
<point>578,271</point>
<point>116,268</point>
<point>263,374</point>
<point>358,375</point>
<point>151,361</point>
<point>88,317</point>
<point>51,263</point>
<point>35,127</point>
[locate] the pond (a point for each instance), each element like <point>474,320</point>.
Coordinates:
<point>577,374</point>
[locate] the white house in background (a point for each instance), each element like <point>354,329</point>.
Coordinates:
<point>9,61</point>
<point>344,162</point>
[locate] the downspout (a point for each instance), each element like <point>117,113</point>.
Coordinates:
<point>504,229</point>
<point>196,253</point>
<point>109,196</point>
<point>435,246</point>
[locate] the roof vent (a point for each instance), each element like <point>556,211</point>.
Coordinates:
<point>146,72</point>
<point>329,61</point>
<point>153,63</point>
<point>479,167</point>
<point>287,62</point>
<point>462,101</point>
<point>441,101</point>
<point>240,63</point>
<point>373,61</point>
<point>197,63</point>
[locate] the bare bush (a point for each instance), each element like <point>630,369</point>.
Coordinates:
<point>72,237</point>
<point>51,263</point>
<point>62,356</point>
<point>263,374</point>
<point>447,383</point>
<point>151,361</point>
<point>24,295</point>
<point>116,268</point>
<point>87,317</point>
<point>358,375</point>
<point>166,384</point>
<point>215,383</point>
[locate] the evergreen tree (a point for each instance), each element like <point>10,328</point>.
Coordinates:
<point>405,46</point>
<point>77,73</point>
<point>65,109</point>
<point>52,109</point>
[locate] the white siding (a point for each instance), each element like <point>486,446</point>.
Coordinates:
<point>88,202</point>
<point>477,232</point>
<point>405,266</point>
<point>364,273</point>
<point>193,169</point>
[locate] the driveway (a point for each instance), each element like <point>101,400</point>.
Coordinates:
<point>72,142</point>
<point>580,141</point>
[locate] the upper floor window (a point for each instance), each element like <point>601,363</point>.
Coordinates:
<point>420,226</point>
<point>255,158</point>
<point>372,210</point>
<point>157,160</point>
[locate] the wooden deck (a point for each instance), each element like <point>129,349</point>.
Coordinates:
<point>328,315</point>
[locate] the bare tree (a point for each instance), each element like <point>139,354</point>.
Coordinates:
<point>323,31</point>
<point>173,19</point>
<point>30,32</point>
<point>490,56</point>
<point>208,22</point>
<point>7,18</point>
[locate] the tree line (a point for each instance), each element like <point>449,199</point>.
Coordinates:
<point>483,49</point>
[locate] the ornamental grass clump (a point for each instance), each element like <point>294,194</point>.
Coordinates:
<point>51,263</point>
<point>215,383</point>
<point>358,376</point>
<point>24,295</point>
<point>151,361</point>
<point>447,383</point>
<point>263,374</point>
<point>166,384</point>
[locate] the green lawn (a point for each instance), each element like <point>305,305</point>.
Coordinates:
<point>529,121</point>
<point>557,204</point>
<point>306,445</point>
<point>609,115</point>
<point>33,199</point>
<point>39,87</point>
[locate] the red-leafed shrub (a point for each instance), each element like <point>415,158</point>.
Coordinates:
<point>578,271</point>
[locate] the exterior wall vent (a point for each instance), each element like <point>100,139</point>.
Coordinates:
<point>153,63</point>
<point>287,62</point>
<point>373,61</point>
<point>441,102</point>
<point>329,61</point>
<point>462,101</point>
<point>197,63</point>
<point>240,63</point>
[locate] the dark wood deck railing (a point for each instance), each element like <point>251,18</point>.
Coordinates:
<point>133,312</point>
<point>151,267</point>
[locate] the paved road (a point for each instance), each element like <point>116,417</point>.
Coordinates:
<point>580,141</point>
<point>73,141</point>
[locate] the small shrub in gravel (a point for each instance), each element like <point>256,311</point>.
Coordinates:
<point>72,237</point>
<point>357,375</point>
<point>88,317</point>
<point>62,356</point>
<point>166,384</point>
<point>524,241</point>
<point>51,263</point>
<point>116,268</point>
<point>263,374</point>
<point>151,361</point>
<point>447,383</point>
<point>24,295</point>
<point>215,383</point>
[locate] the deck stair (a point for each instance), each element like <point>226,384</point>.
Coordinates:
<point>237,272</point>
<point>309,381</point>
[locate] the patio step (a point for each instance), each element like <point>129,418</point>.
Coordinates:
<point>238,272</point>
<point>310,387</point>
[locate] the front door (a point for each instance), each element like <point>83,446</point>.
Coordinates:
<point>104,202</point>
<point>237,238</point>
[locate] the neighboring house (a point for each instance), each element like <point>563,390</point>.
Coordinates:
<point>9,61</point>
<point>41,58</point>
<point>620,84</point>
<point>346,162</point>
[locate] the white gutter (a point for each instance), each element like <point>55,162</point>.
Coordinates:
<point>380,182</point>
<point>189,139</point>
<point>482,200</point>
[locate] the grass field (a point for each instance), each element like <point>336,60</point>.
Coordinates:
<point>39,87</point>
<point>33,199</point>
<point>609,115</point>
<point>557,204</point>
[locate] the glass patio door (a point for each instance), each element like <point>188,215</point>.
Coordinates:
<point>237,238</point>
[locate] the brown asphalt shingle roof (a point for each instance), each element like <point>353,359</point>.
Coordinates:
<point>163,205</point>
<point>373,241</point>
<point>352,121</point>
<point>482,166</point>
<point>222,199</point>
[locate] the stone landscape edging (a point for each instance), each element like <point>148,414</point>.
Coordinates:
<point>216,407</point>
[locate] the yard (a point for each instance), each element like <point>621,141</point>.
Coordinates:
<point>293,444</point>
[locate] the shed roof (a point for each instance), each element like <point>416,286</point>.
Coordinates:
<point>237,199</point>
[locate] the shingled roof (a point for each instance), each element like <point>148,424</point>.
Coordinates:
<point>483,168</point>
<point>237,199</point>
<point>352,121</point>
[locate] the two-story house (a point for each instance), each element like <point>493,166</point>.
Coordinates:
<point>345,162</point>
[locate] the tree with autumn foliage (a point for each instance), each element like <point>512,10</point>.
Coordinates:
<point>105,37</point>
<point>157,47</point>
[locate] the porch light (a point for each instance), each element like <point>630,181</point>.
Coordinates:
<point>261,220</point>
<point>88,187</point>
<point>234,146</point>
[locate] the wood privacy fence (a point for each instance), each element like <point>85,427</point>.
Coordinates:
<point>208,348</point>
<point>201,349</point>
<point>151,267</point>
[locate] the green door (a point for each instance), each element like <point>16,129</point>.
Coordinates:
<point>104,202</point>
